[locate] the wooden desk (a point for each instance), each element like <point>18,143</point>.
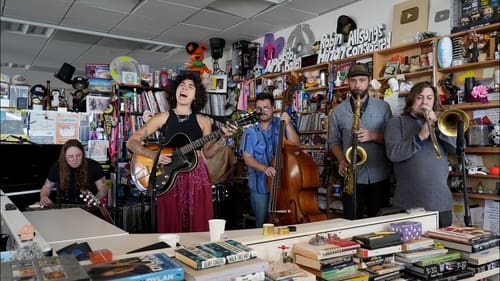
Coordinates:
<point>68,225</point>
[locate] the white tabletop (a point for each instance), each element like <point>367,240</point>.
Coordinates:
<point>67,225</point>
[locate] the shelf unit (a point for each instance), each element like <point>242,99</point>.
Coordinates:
<point>431,72</point>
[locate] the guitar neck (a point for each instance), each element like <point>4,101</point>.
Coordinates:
<point>201,141</point>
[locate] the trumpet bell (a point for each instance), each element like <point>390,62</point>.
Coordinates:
<point>360,154</point>
<point>447,121</point>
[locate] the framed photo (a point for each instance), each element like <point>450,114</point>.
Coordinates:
<point>129,77</point>
<point>391,68</point>
<point>218,84</point>
<point>97,104</point>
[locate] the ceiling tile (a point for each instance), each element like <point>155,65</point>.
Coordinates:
<point>213,19</point>
<point>22,44</point>
<point>192,3</point>
<point>164,13</point>
<point>138,26</point>
<point>284,16</point>
<point>251,30</point>
<point>242,8</point>
<point>183,33</point>
<point>68,36</point>
<point>319,6</point>
<point>57,51</point>
<point>91,18</point>
<point>98,54</point>
<point>114,5</point>
<point>53,10</point>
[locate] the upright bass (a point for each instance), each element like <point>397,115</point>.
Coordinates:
<point>293,188</point>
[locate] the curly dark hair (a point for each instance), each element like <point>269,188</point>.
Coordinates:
<point>265,96</point>
<point>417,89</point>
<point>65,169</point>
<point>200,99</point>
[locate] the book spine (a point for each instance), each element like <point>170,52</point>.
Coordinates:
<point>197,258</point>
<point>378,261</point>
<point>245,248</point>
<point>365,253</point>
<point>439,259</point>
<point>333,274</point>
<point>436,270</point>
<point>484,267</point>
<point>220,251</point>
<point>480,246</point>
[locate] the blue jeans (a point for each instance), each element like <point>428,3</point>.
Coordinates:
<point>259,203</point>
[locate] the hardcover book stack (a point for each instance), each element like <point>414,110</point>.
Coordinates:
<point>426,259</point>
<point>332,258</point>
<point>478,247</point>
<point>222,260</point>
<point>376,255</point>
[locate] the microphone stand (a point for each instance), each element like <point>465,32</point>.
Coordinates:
<point>460,151</point>
<point>152,185</point>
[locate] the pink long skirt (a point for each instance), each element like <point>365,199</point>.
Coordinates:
<point>188,206</point>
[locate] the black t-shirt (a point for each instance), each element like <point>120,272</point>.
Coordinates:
<point>95,172</point>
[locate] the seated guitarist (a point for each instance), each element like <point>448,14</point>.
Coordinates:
<point>73,174</point>
<point>187,206</point>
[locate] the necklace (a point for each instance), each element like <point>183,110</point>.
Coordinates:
<point>182,118</point>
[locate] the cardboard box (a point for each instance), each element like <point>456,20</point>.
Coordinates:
<point>407,229</point>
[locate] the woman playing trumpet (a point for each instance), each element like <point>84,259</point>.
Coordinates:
<point>421,176</point>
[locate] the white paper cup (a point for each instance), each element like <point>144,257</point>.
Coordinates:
<point>170,239</point>
<point>216,227</point>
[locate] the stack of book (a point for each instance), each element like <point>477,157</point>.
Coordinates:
<point>376,255</point>
<point>476,246</point>
<point>232,259</point>
<point>332,260</point>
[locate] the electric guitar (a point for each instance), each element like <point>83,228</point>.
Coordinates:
<point>184,158</point>
<point>92,201</point>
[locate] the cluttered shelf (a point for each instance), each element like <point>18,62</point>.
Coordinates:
<point>473,195</point>
<point>474,105</point>
<point>482,149</point>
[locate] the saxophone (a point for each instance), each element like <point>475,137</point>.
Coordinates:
<point>355,155</point>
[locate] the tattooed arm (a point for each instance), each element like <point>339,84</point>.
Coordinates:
<point>135,142</point>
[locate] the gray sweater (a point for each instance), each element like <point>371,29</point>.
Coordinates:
<point>421,178</point>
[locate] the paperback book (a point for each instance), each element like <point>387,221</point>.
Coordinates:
<point>450,256</point>
<point>418,255</point>
<point>445,277</point>
<point>365,253</point>
<point>371,261</point>
<point>322,264</point>
<point>148,267</point>
<point>61,268</point>
<point>419,243</point>
<point>484,267</point>
<point>345,244</point>
<point>196,258</point>
<point>471,248</point>
<point>482,257</point>
<point>316,253</point>
<point>375,240</point>
<point>439,269</point>
<point>227,271</point>
<point>461,234</point>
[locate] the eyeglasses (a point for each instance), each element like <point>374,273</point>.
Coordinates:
<point>74,157</point>
<point>264,108</point>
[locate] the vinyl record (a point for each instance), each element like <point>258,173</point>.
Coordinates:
<point>123,64</point>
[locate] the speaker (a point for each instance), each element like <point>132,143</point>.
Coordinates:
<point>65,73</point>
<point>217,47</point>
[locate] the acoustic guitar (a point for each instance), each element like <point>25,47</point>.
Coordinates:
<point>184,158</point>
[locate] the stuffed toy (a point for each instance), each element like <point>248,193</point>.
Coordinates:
<point>197,55</point>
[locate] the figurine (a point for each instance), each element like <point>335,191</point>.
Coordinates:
<point>452,89</point>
